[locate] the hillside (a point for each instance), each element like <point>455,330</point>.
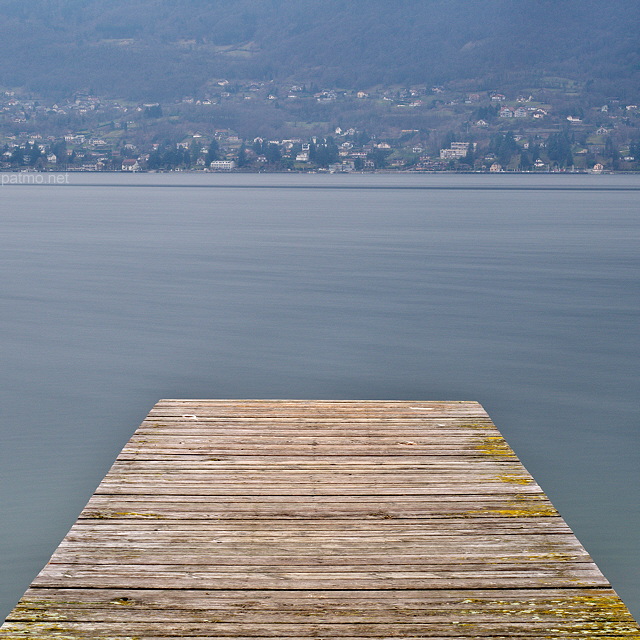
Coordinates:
<point>160,49</point>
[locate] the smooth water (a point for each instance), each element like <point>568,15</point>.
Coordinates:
<point>521,292</point>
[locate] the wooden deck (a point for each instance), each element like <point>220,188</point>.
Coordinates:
<point>319,519</point>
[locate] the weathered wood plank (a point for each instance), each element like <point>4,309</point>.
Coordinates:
<point>296,519</point>
<point>366,464</point>
<point>250,558</point>
<point>353,502</point>
<point>215,630</point>
<point>47,636</point>
<point>349,425</point>
<point>357,431</point>
<point>558,545</point>
<point>334,527</point>
<point>291,580</point>
<point>330,570</point>
<point>329,450</point>
<point>298,436</point>
<point>290,599</point>
<point>486,507</point>
<point>136,616</point>
<point>197,489</point>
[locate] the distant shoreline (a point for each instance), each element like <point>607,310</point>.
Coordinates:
<point>320,172</point>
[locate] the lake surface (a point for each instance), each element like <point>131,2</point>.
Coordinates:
<point>521,292</point>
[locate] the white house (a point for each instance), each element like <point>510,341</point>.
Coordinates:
<point>130,164</point>
<point>222,165</point>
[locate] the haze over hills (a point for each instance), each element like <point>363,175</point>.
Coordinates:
<point>161,49</point>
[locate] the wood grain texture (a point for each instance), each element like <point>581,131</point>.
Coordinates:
<point>319,519</point>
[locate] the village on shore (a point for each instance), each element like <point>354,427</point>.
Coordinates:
<point>310,129</point>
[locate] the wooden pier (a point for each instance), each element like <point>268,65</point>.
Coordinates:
<point>319,519</point>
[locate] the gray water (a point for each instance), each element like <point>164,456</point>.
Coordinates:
<point>521,292</point>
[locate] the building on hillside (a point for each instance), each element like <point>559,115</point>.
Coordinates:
<point>457,150</point>
<point>222,165</point>
<point>130,164</point>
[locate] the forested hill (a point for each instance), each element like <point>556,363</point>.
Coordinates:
<point>160,49</point>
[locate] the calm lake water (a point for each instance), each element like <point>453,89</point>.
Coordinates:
<point>521,292</point>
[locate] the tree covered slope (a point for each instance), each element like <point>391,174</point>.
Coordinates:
<point>158,49</point>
